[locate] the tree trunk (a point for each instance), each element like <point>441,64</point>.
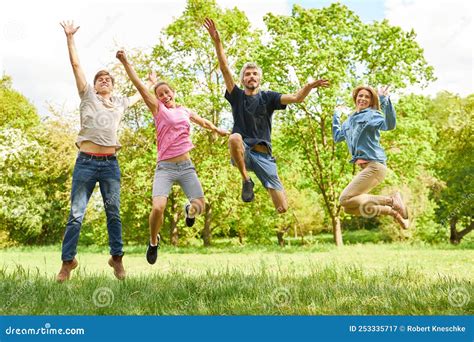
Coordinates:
<point>241,237</point>
<point>336,230</point>
<point>281,235</point>
<point>206,232</point>
<point>281,240</point>
<point>455,236</point>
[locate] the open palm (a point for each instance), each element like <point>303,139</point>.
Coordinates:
<point>384,91</point>
<point>68,27</point>
<point>211,28</point>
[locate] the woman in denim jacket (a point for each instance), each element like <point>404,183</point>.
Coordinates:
<point>361,131</point>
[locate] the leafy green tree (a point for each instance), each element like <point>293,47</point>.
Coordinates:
<point>453,117</point>
<point>16,111</point>
<point>35,160</point>
<point>411,153</point>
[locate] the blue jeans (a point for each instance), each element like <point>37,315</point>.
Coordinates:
<point>87,172</point>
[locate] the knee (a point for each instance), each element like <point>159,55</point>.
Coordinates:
<point>158,210</point>
<point>235,139</point>
<point>344,201</point>
<point>112,207</point>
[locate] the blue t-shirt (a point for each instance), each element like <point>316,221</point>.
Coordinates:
<point>253,115</point>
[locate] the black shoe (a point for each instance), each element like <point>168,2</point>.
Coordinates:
<point>247,190</point>
<point>152,251</point>
<point>189,220</point>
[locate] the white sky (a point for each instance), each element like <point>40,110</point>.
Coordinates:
<point>445,30</point>
<point>33,46</point>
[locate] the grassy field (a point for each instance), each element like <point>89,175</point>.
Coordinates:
<point>359,279</point>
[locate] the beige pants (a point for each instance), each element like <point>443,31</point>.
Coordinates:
<point>355,198</point>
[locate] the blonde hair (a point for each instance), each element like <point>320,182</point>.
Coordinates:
<point>374,102</point>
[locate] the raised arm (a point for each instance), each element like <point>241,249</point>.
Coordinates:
<point>149,99</point>
<point>152,80</point>
<point>303,92</point>
<point>211,28</point>
<point>70,30</point>
<point>389,121</point>
<point>207,124</point>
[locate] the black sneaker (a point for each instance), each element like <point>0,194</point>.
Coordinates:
<point>247,190</point>
<point>189,220</point>
<point>152,251</point>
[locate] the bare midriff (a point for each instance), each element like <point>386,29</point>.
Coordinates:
<point>177,159</point>
<point>362,163</point>
<point>90,147</point>
<point>260,148</point>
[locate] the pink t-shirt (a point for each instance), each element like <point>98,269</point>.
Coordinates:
<point>172,131</point>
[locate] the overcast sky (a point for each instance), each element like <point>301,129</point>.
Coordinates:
<point>33,46</point>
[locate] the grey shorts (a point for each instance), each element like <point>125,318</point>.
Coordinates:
<point>264,166</point>
<point>183,173</point>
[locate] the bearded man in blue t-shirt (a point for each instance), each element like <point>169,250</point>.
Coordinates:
<point>252,109</point>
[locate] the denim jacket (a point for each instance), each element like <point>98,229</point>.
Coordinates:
<point>361,131</point>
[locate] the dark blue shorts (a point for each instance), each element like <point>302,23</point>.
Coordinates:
<point>264,167</point>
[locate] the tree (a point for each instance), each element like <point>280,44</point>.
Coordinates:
<point>453,117</point>
<point>16,110</point>
<point>35,162</point>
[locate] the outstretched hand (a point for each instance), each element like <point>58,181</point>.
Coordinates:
<point>211,28</point>
<point>152,77</point>
<point>68,27</point>
<point>320,83</point>
<point>121,56</point>
<point>383,91</point>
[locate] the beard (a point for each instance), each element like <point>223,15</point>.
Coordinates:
<point>251,86</point>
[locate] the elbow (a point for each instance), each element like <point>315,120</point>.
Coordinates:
<point>391,125</point>
<point>296,99</point>
<point>299,98</point>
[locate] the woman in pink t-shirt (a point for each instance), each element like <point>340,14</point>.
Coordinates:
<point>172,123</point>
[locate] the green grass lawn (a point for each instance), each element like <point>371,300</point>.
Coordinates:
<point>359,279</point>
